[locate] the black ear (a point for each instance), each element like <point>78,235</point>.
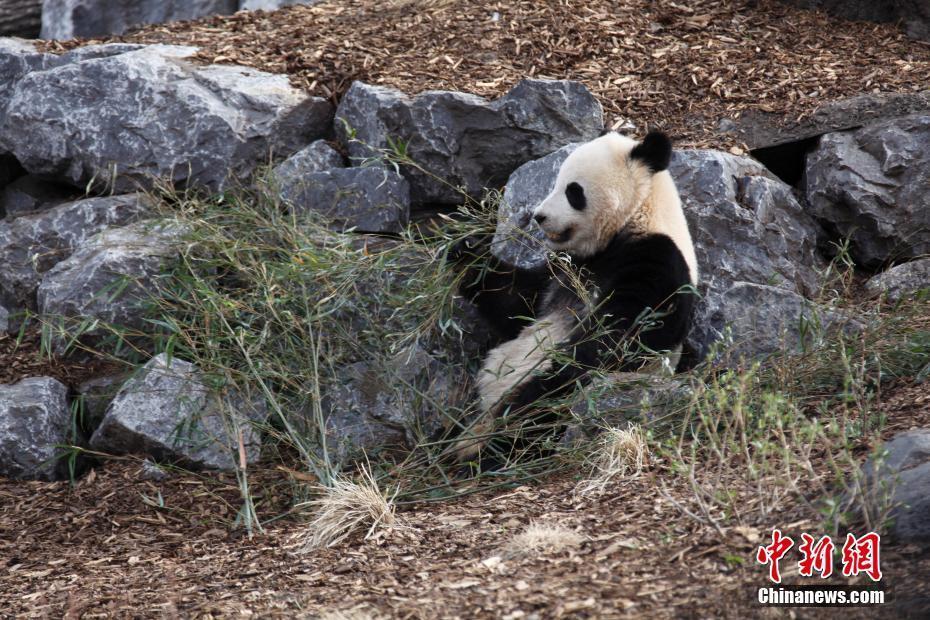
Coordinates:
<point>655,151</point>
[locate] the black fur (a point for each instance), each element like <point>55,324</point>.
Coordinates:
<point>654,151</point>
<point>575,195</point>
<point>633,276</point>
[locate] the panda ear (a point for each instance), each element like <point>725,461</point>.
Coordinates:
<point>655,151</point>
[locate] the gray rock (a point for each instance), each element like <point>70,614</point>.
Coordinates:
<point>110,278</point>
<point>759,129</point>
<point>68,19</point>
<point>17,58</point>
<point>763,320</point>
<point>33,244</point>
<point>372,199</point>
<point>747,225</point>
<point>4,320</point>
<point>153,471</point>
<point>317,157</point>
<point>463,139</point>
<point>20,18</point>
<point>904,474</point>
<point>391,407</point>
<point>155,114</point>
<point>168,413</point>
<point>30,193</point>
<point>34,421</point>
<point>620,399</point>
<point>870,185</point>
<point>913,15</point>
<point>518,240</point>
<point>901,281</point>
<point>749,228</point>
<point>272,5</point>
<point>96,395</point>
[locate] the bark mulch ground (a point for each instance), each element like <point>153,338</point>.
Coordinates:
<point>680,66</point>
<point>22,357</point>
<point>116,545</point>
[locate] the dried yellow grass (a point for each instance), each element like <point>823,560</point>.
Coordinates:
<point>619,452</point>
<point>346,506</point>
<point>540,537</point>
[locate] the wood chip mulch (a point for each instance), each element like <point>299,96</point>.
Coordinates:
<point>681,66</point>
<point>115,545</point>
<point>22,357</point>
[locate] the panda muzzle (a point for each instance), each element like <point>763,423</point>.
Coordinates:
<point>560,237</point>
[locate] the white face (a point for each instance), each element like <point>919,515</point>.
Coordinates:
<point>597,189</point>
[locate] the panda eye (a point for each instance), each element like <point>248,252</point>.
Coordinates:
<point>575,195</point>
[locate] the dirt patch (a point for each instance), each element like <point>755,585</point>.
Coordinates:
<point>678,66</point>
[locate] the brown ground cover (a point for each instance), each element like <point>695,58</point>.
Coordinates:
<point>680,66</point>
<point>116,545</point>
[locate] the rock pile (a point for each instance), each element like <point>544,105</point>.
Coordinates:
<point>114,118</point>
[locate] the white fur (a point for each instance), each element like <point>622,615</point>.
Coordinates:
<point>621,193</point>
<point>513,363</point>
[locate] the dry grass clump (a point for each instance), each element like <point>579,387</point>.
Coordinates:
<point>346,506</point>
<point>540,537</point>
<point>619,452</point>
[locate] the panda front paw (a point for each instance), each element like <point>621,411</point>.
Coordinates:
<point>470,248</point>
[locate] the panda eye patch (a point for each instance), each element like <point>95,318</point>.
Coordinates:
<point>575,195</point>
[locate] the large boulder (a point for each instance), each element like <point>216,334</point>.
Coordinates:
<point>316,157</point>
<point>33,244</point>
<point>167,412</point>
<point>901,281</point>
<point>463,140</point>
<point>68,19</point>
<point>20,18</point>
<point>371,199</point>
<point>154,114</point>
<point>391,406</point>
<point>902,474</point>
<point>767,130</point>
<point>17,58</point>
<point>913,15</point>
<point>870,185</point>
<point>110,278</point>
<point>35,421</point>
<point>756,320</point>
<point>748,227</point>
<point>271,5</point>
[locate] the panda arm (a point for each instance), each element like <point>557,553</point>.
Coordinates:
<point>503,293</point>
<point>651,281</point>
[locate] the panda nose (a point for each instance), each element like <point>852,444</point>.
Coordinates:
<point>540,218</point>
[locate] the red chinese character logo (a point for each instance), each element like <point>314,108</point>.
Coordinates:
<point>817,557</point>
<point>860,555</point>
<point>773,553</point>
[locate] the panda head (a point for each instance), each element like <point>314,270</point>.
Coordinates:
<point>601,185</point>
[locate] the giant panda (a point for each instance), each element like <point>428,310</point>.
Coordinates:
<point>616,213</point>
